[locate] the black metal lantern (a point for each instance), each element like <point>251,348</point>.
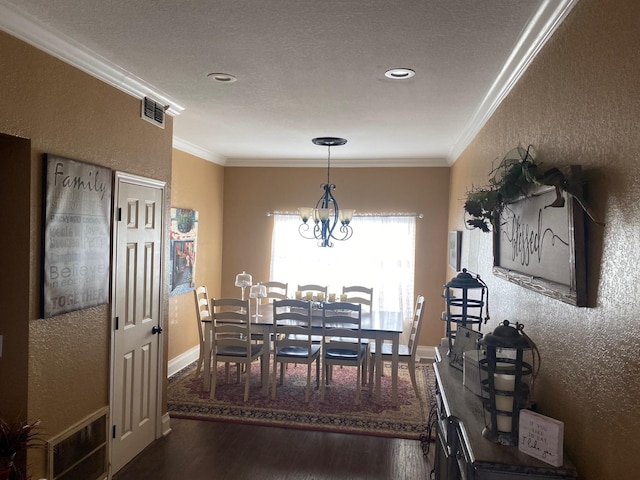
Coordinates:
<point>465,300</point>
<point>507,391</point>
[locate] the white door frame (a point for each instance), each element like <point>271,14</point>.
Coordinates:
<point>161,423</point>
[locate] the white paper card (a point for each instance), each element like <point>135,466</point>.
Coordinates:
<point>541,437</point>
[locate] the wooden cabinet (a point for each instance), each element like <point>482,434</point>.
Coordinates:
<point>462,453</point>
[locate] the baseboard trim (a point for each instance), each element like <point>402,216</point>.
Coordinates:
<point>166,424</point>
<point>183,360</point>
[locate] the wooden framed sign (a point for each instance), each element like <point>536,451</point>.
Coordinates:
<point>77,232</point>
<point>541,247</point>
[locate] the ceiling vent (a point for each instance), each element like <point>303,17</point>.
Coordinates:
<point>153,112</point>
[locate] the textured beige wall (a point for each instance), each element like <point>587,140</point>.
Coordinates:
<point>68,113</point>
<point>197,184</point>
<point>579,103</point>
<point>252,192</point>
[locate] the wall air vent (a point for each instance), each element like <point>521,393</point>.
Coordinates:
<point>81,451</point>
<point>153,112</point>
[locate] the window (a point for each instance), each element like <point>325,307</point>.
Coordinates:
<point>381,254</point>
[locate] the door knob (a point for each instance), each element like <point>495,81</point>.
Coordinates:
<point>156,329</point>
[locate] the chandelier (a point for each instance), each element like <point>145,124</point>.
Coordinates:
<point>329,222</point>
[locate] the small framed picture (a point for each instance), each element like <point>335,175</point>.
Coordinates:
<point>455,246</point>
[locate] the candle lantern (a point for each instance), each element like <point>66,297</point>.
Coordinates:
<point>504,385</point>
<point>465,301</point>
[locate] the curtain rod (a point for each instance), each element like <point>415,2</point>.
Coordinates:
<point>296,214</point>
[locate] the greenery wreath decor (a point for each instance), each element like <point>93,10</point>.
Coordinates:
<point>513,178</point>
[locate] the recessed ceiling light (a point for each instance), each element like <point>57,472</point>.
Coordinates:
<point>222,77</point>
<point>399,73</point>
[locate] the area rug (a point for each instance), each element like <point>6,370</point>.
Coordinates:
<point>338,413</point>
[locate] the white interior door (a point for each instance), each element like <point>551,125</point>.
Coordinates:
<point>138,243</point>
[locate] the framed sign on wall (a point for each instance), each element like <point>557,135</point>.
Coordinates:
<point>77,232</point>
<point>542,247</point>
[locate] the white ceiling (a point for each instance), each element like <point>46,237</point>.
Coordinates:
<point>304,69</point>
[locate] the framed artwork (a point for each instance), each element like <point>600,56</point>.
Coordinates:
<point>541,247</point>
<point>182,268</point>
<point>76,235</point>
<point>455,249</point>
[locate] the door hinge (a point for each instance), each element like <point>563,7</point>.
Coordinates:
<point>113,431</point>
<point>117,319</point>
<point>119,214</point>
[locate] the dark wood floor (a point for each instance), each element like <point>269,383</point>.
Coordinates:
<point>209,450</point>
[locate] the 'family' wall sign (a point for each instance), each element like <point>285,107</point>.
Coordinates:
<point>77,229</point>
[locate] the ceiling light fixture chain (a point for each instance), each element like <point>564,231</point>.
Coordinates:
<point>326,215</point>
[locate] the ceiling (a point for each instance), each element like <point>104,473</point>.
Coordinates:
<point>304,69</point>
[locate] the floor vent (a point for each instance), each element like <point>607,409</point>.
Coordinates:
<point>80,453</point>
<point>153,112</point>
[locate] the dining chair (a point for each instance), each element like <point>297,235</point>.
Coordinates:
<point>313,289</point>
<point>232,341</point>
<point>202,313</point>
<point>358,294</point>
<point>292,341</point>
<point>406,352</point>
<point>342,342</point>
<point>276,290</point>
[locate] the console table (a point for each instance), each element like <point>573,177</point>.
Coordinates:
<point>462,453</point>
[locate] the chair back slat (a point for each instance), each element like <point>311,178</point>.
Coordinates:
<point>312,288</point>
<point>358,294</point>
<point>416,325</point>
<point>276,290</point>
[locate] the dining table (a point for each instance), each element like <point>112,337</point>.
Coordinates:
<point>376,326</point>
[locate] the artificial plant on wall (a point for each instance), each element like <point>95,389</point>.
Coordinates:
<point>513,178</point>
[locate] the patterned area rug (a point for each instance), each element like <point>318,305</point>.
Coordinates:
<point>186,399</point>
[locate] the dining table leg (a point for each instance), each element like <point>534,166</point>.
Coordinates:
<point>378,367</point>
<point>266,356</point>
<point>395,345</point>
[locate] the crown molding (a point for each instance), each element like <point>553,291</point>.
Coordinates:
<point>348,163</point>
<point>542,25</point>
<point>539,29</point>
<point>188,147</point>
<point>59,45</point>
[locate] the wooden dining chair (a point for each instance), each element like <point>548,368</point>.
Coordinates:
<point>406,352</point>
<point>292,342</point>
<point>202,313</point>
<point>232,341</point>
<point>358,294</point>
<point>276,290</point>
<point>313,289</point>
<point>342,342</point>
